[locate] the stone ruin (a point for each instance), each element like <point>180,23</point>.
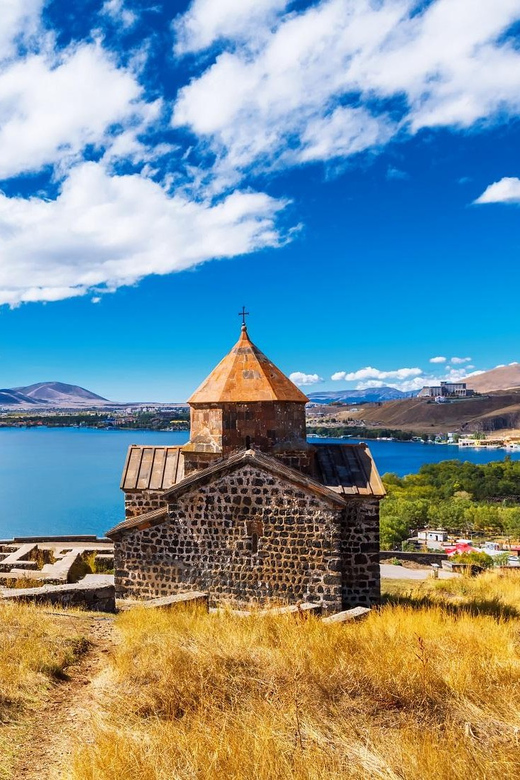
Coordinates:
<point>70,572</point>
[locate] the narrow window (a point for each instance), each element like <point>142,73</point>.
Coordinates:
<point>248,442</point>
<point>254,529</point>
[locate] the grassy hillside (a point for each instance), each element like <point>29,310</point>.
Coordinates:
<point>501,378</point>
<point>494,412</point>
<point>423,691</point>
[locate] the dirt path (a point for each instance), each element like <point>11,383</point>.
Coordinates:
<point>67,717</point>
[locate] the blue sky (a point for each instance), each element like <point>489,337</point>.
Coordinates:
<point>347,170</point>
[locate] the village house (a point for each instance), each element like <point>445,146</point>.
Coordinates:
<point>248,510</point>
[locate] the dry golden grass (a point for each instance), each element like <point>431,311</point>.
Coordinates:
<point>415,692</point>
<point>35,649</point>
<point>495,593</point>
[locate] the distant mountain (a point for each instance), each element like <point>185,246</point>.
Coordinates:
<point>55,394</point>
<point>503,378</point>
<point>370,395</point>
<point>14,398</point>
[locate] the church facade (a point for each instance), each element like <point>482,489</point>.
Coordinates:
<point>248,510</point>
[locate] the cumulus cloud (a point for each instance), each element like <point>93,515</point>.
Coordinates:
<point>458,360</point>
<point>105,231</point>
<point>316,86</point>
<point>375,373</point>
<point>438,359</point>
<point>51,108</point>
<point>117,11</point>
<point>19,21</point>
<point>299,378</point>
<point>459,374</point>
<point>507,190</point>
<point>208,21</point>
<point>276,85</point>
<point>369,383</point>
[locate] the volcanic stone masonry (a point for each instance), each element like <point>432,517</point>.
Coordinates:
<point>248,511</point>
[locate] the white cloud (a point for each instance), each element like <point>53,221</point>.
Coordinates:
<point>507,190</point>
<point>19,21</point>
<point>106,231</point>
<point>307,90</point>
<point>208,21</point>
<point>411,384</point>
<point>117,11</point>
<point>375,373</point>
<point>396,173</point>
<point>438,359</point>
<point>52,107</point>
<point>342,133</point>
<point>299,378</point>
<point>369,383</point>
<point>459,374</point>
<point>458,360</point>
<point>514,363</point>
<point>405,386</point>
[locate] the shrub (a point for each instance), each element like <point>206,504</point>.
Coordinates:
<point>476,558</point>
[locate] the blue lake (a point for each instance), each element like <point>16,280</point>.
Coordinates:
<point>66,480</point>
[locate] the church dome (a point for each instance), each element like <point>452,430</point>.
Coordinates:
<point>246,375</point>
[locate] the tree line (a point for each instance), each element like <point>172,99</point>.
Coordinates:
<point>463,498</point>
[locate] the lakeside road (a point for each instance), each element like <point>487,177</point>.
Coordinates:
<point>391,572</point>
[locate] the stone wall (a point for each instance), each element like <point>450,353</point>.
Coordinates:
<point>95,592</point>
<point>246,536</point>
<point>265,425</point>
<point>137,502</point>
<point>360,573</point>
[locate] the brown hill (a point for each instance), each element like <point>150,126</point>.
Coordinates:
<point>491,413</point>
<point>503,378</point>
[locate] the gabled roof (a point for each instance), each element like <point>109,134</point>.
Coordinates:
<point>261,460</point>
<point>245,457</point>
<point>146,520</point>
<point>246,374</point>
<point>348,469</point>
<point>152,468</point>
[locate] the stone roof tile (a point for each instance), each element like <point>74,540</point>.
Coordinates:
<point>246,374</point>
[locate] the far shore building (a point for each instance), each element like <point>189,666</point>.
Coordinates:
<point>446,390</point>
<point>248,510</point>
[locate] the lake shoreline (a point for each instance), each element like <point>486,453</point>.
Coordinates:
<point>65,481</point>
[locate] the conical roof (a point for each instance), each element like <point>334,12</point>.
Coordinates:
<point>246,374</point>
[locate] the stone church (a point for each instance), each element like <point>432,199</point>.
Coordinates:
<point>248,510</point>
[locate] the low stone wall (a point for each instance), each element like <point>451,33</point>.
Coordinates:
<point>96,592</point>
<point>417,557</point>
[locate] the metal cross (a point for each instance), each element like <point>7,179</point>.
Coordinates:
<point>243,314</point>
